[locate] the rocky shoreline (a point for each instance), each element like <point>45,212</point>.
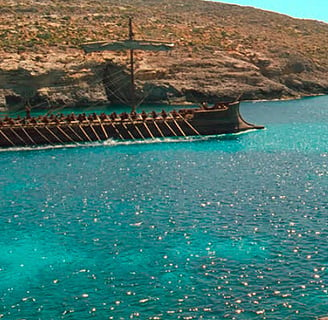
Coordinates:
<point>271,67</point>
<point>73,79</point>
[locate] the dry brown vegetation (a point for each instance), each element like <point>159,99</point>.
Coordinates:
<point>193,24</point>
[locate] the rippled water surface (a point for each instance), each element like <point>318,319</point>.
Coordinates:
<point>230,227</point>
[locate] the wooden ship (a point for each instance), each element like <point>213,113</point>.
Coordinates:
<point>220,118</point>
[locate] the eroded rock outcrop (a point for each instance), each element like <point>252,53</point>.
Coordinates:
<point>223,52</point>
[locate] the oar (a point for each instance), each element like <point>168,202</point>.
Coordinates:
<point>60,140</point>
<point>74,132</point>
<point>144,122</point>
<point>6,137</point>
<point>102,128</point>
<point>28,135</point>
<point>116,130</point>
<point>17,135</point>
<point>135,125</point>
<point>190,126</point>
<point>175,122</point>
<point>170,128</point>
<point>128,131</point>
<point>65,134</point>
<point>85,134</point>
<point>159,130</point>
<point>42,135</point>
<point>94,131</point>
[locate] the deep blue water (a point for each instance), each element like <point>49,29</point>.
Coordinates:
<point>231,227</point>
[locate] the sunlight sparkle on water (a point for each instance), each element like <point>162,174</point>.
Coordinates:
<point>220,227</point>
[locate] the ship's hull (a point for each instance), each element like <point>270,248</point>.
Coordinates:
<point>212,121</point>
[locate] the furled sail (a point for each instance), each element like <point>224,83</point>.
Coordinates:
<point>145,45</point>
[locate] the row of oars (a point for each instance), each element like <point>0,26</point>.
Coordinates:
<point>171,129</point>
<point>86,137</point>
<point>46,138</point>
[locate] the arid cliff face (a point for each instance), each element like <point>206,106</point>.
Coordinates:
<point>221,52</point>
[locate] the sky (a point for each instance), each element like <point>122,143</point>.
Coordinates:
<point>307,9</point>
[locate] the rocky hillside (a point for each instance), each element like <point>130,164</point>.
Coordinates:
<point>222,52</point>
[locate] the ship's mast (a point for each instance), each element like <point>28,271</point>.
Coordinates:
<point>133,89</point>
<point>130,44</point>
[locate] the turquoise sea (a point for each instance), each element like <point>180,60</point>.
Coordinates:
<point>226,227</point>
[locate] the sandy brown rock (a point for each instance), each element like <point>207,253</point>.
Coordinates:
<point>223,52</point>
